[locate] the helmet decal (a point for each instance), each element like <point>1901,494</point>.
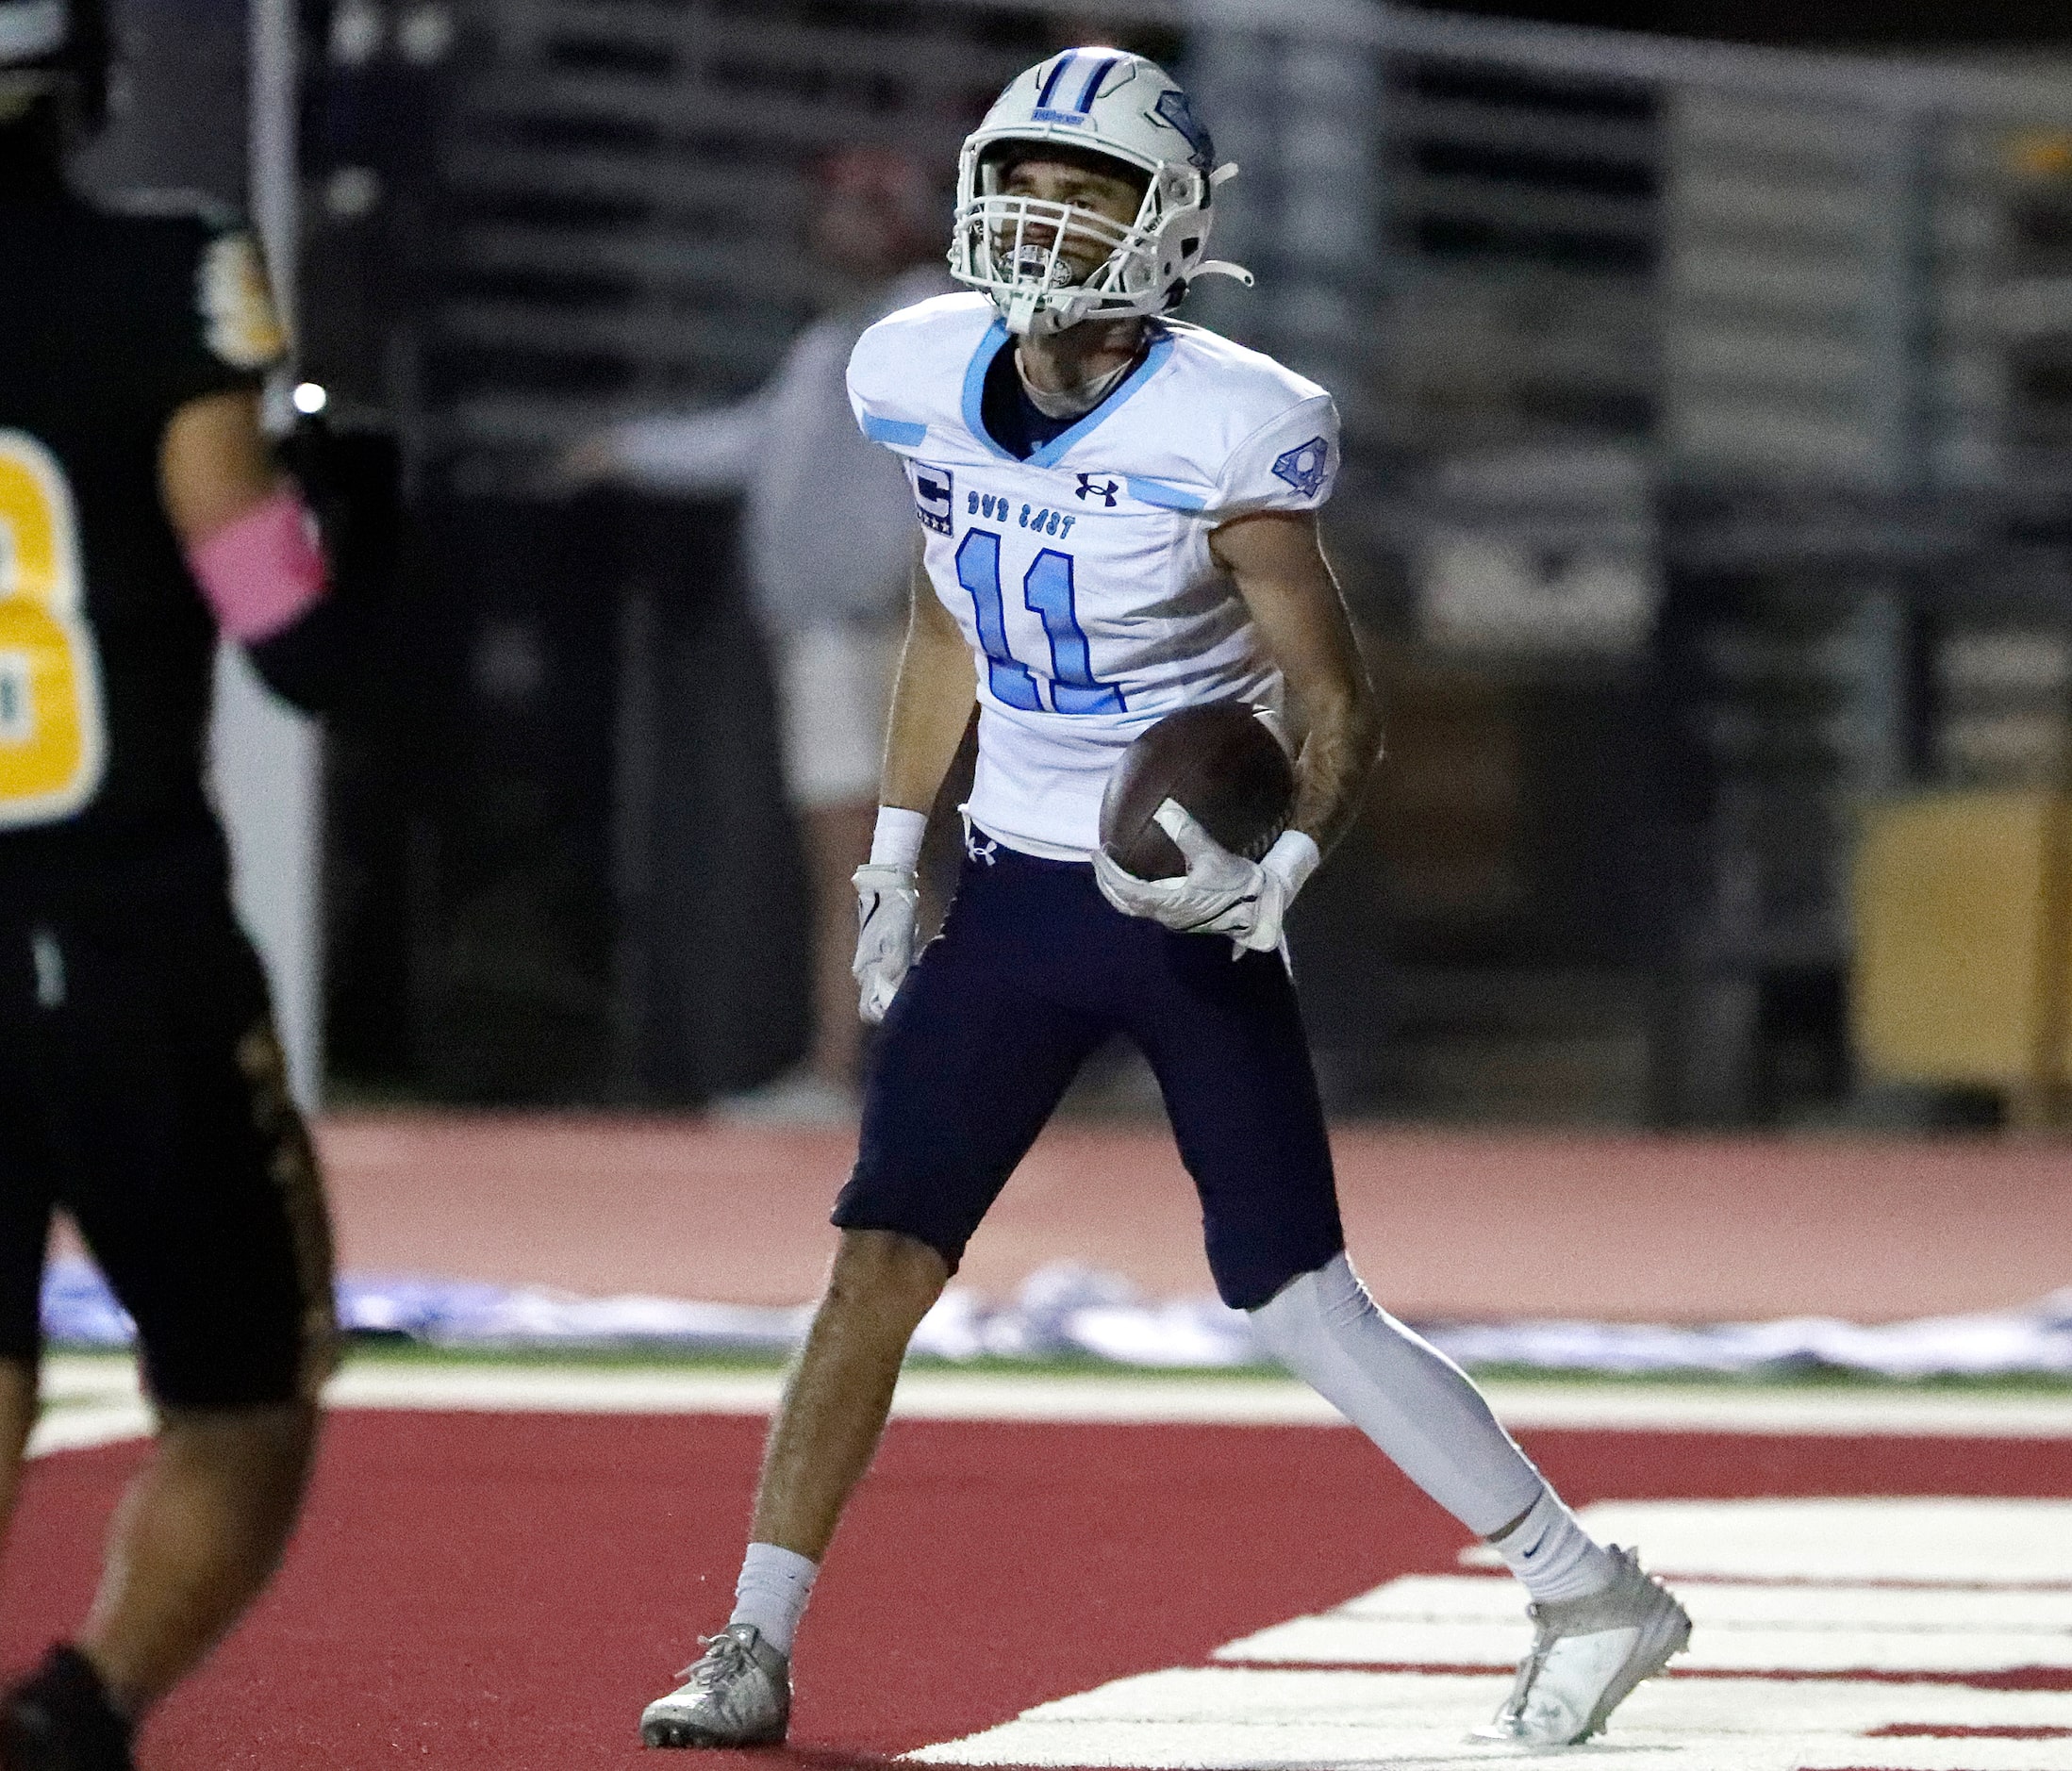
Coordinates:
<point>1175,108</point>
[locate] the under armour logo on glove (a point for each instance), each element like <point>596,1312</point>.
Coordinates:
<point>1105,490</point>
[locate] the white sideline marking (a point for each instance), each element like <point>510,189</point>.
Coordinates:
<point>1471,1621</point>
<point>80,1429</point>
<point>1737,1604</point>
<point>1243,1720</point>
<point>1997,1541</point>
<point>1123,1399</point>
<point>1098,1398</point>
<point>1237,1718</point>
<point>87,1402</point>
<point>1335,1640</point>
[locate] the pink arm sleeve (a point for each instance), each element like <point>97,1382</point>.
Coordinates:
<point>262,570</point>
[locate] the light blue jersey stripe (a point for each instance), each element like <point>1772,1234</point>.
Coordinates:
<point>897,432</point>
<point>1165,495</point>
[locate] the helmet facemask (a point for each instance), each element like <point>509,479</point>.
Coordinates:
<point>1015,247</point>
<point>1116,114</point>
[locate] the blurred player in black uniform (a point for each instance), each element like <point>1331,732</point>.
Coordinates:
<point>141,1088</point>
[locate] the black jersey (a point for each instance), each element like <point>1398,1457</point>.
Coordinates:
<point>114,319</point>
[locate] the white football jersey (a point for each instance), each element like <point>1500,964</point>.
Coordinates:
<point>1082,576</point>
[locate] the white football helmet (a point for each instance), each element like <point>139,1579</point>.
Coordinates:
<point>1119,105</point>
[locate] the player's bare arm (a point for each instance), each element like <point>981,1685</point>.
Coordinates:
<point>1277,566</point>
<point>932,702</point>
<point>252,550</point>
<point>213,465</point>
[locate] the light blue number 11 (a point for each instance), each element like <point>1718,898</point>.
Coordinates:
<point>1047,590</point>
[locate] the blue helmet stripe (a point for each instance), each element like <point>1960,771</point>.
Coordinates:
<point>1050,80</point>
<point>1088,92</point>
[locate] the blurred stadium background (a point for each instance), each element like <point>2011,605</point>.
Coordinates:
<point>1708,405</point>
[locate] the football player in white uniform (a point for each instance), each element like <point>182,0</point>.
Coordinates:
<point>1117,514</point>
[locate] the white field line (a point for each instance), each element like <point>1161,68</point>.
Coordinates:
<point>1720,1605</point>
<point>87,1402</point>
<point>1334,1641</point>
<point>976,1396</point>
<point>1917,1539</point>
<point>1124,1398</point>
<point>1245,1720</point>
<point>1804,1714</point>
<point>1470,1620</point>
<point>82,1428</point>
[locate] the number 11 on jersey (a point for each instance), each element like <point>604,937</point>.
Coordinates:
<point>1046,591</point>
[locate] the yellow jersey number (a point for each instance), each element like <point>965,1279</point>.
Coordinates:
<point>52,741</point>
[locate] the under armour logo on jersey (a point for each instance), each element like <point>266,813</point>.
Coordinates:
<point>1104,490</point>
<point>1304,466</point>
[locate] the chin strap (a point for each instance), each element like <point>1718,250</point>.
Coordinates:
<point>1222,267</point>
<point>1020,310</point>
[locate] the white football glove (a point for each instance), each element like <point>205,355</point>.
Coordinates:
<point>886,903</point>
<point>1220,893</point>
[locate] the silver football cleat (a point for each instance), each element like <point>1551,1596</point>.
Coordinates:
<point>739,1694</point>
<point>1587,1655</point>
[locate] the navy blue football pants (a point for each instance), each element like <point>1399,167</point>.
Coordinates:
<point>1032,970</point>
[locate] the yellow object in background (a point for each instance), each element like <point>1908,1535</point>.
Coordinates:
<point>2040,154</point>
<point>1964,941</point>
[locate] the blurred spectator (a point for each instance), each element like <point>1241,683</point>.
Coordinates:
<point>829,529</point>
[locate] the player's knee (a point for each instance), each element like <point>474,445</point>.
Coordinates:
<point>1311,1308</point>
<point>259,1429</point>
<point>267,1449</point>
<point>884,1268</point>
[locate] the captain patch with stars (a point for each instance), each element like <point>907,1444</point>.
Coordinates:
<point>932,494</point>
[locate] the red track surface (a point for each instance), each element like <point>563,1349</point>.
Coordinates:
<point>477,1591</point>
<point>1444,1224</point>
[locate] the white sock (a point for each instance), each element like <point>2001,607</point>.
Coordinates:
<point>1399,1390</point>
<point>1553,1555</point>
<point>772,1593</point>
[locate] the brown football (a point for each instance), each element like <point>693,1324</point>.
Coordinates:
<point>1221,763</point>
